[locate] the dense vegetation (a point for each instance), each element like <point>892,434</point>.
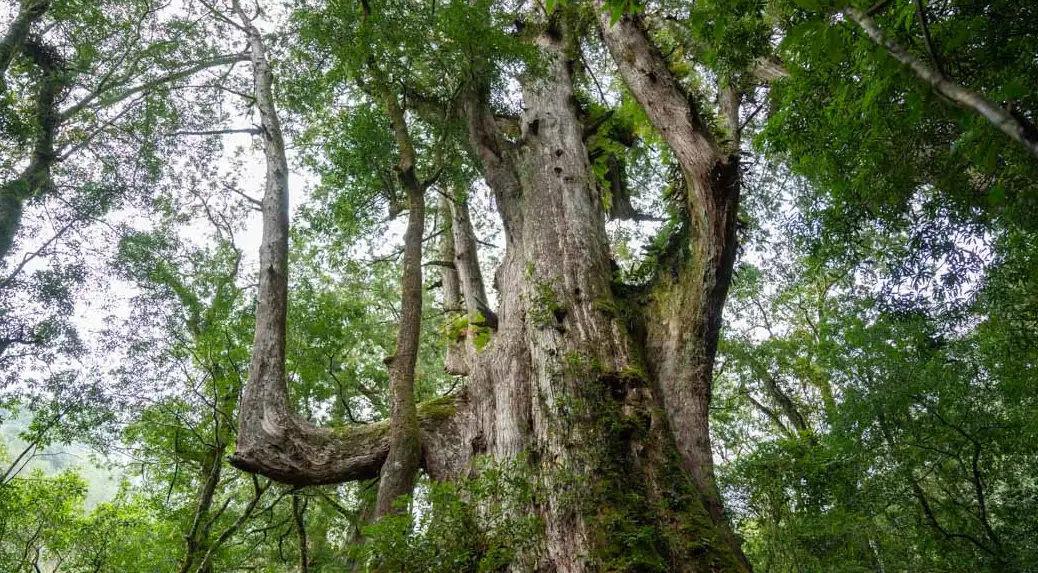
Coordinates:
<point>595,285</point>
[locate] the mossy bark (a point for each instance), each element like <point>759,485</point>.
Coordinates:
<point>567,383</point>
<point>683,315</point>
<point>608,411</point>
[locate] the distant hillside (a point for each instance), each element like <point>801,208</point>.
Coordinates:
<point>102,475</point>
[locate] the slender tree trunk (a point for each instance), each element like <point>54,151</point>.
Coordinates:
<point>264,409</point>
<point>466,262</point>
<point>298,514</point>
<point>455,362</point>
<point>196,538</point>
<point>405,448</point>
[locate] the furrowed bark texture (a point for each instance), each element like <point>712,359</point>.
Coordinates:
<point>683,318</point>
<point>602,412</point>
<point>564,380</point>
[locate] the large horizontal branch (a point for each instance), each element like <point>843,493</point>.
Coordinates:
<point>299,453</point>
<point>1007,123</point>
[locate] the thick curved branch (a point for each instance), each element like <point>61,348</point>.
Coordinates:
<point>300,454</point>
<point>266,423</point>
<point>492,152</point>
<point>272,440</point>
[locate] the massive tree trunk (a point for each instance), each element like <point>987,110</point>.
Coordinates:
<point>601,390</point>
<point>683,317</point>
<point>574,380</point>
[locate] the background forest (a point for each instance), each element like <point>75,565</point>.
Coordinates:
<point>874,399</point>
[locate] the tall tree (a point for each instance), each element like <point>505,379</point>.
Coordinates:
<point>567,381</point>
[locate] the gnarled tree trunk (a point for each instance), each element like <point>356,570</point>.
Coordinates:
<point>601,389</point>
<point>683,317</point>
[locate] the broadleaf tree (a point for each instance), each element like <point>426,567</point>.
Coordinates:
<point>566,286</point>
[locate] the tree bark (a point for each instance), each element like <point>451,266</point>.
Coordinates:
<point>564,381</point>
<point>570,384</point>
<point>35,179</point>
<point>683,318</point>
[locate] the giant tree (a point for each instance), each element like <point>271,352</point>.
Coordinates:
<point>602,387</point>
